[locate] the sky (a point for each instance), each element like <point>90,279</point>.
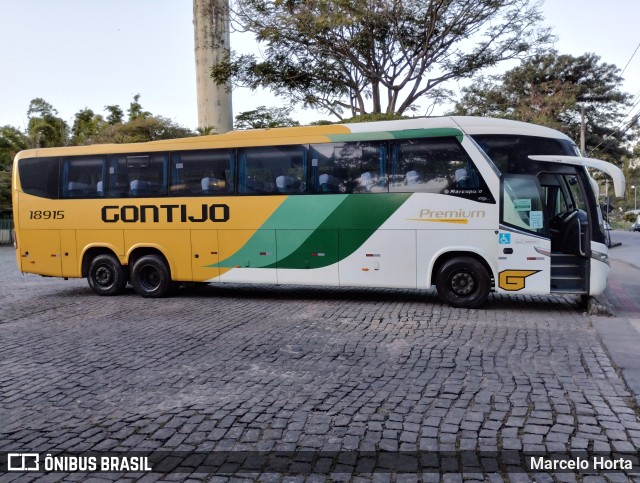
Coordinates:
<point>92,53</point>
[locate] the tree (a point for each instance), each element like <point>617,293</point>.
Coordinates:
<point>264,118</point>
<point>554,90</point>
<point>142,126</point>
<point>86,127</point>
<point>375,56</point>
<point>12,140</point>
<point>206,131</point>
<point>45,128</point>
<point>142,129</point>
<point>135,109</point>
<point>116,114</point>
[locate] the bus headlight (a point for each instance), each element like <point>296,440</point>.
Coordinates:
<point>601,257</point>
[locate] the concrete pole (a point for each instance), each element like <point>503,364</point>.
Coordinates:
<point>211,35</point>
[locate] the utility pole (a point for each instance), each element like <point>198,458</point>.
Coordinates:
<point>211,36</point>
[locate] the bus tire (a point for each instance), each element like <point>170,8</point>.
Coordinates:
<point>463,282</point>
<point>150,277</point>
<point>106,276</point>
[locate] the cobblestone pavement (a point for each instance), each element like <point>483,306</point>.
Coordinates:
<point>279,368</point>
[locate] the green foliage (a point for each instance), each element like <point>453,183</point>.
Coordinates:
<point>142,126</point>
<point>135,110</point>
<point>86,127</point>
<point>45,129</point>
<point>380,116</point>
<point>552,90</point>
<point>364,56</point>
<point>5,194</point>
<point>116,114</point>
<point>265,118</point>
<point>11,141</point>
<point>142,129</point>
<point>206,130</point>
<point>321,122</point>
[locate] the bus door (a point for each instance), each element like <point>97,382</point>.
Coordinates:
<point>569,229</point>
<point>579,259</point>
<point>524,247</point>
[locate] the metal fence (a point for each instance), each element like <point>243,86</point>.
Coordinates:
<point>6,231</point>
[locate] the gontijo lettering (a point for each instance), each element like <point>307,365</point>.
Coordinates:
<point>166,213</point>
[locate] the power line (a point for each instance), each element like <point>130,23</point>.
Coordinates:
<point>634,119</point>
<point>632,55</point>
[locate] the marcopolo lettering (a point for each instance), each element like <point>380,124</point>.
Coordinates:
<point>217,213</point>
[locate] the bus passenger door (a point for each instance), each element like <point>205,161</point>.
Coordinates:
<point>570,231</point>
<point>204,255</point>
<point>40,252</point>
<point>524,248</point>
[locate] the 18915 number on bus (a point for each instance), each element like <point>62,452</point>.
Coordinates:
<point>46,215</point>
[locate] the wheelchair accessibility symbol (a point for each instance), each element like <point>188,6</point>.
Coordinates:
<point>504,239</point>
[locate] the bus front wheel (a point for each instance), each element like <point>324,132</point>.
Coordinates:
<point>150,277</point>
<point>463,282</point>
<point>106,276</point>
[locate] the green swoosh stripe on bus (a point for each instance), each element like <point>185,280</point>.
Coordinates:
<point>405,134</point>
<point>354,217</point>
<point>289,216</point>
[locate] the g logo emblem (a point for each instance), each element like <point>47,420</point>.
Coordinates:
<point>514,280</point>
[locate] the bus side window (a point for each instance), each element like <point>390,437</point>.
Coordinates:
<point>197,173</point>
<point>522,205</point>
<point>136,175</point>
<point>117,179</point>
<point>350,167</point>
<point>40,177</point>
<point>83,176</point>
<point>272,170</point>
<point>147,174</point>
<point>429,165</point>
<point>435,165</point>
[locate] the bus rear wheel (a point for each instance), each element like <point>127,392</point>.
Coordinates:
<point>463,282</point>
<point>106,276</point>
<point>150,277</point>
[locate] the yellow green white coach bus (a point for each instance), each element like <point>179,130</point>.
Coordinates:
<point>470,205</point>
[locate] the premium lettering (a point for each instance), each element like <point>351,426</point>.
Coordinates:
<point>217,213</point>
<point>427,213</point>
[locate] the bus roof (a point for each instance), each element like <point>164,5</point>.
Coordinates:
<point>452,125</point>
<point>487,125</point>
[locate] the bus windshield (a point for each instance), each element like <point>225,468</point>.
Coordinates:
<point>510,153</point>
